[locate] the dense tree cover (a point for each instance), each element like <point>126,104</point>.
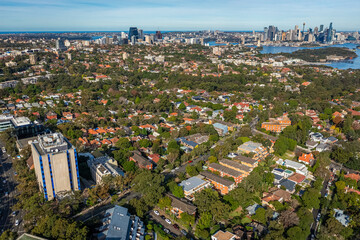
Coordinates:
<point>314,55</point>
<point>284,144</point>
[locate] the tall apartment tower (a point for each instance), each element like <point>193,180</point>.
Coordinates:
<point>32,59</point>
<point>56,165</point>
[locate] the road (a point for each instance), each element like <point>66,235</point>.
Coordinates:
<point>315,212</point>
<point>8,194</point>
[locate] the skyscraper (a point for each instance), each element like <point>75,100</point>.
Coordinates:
<point>32,59</point>
<point>133,31</point>
<point>141,34</point>
<point>59,45</point>
<point>330,33</point>
<point>321,28</point>
<point>56,165</point>
<point>158,35</point>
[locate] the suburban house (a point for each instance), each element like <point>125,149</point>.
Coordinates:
<point>223,185</point>
<point>275,194</point>
<point>141,161</point>
<point>289,185</point>
<point>178,206</point>
<point>221,235</point>
<point>341,217</point>
<point>307,159</point>
<point>299,167</point>
<point>192,186</point>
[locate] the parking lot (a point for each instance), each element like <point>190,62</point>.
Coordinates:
<point>159,219</point>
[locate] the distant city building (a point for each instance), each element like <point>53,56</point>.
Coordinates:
<point>56,165</point>
<point>32,59</point>
<point>60,46</point>
<point>119,224</point>
<point>133,31</point>
<point>158,35</point>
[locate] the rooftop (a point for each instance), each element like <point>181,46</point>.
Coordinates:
<point>21,121</point>
<point>51,143</point>
<point>192,183</point>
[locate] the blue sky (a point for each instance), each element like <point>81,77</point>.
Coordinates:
<point>117,15</point>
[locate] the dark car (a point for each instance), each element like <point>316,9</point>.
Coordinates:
<point>162,217</point>
<point>176,226</point>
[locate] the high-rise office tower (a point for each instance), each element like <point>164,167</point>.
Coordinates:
<point>141,34</point>
<point>316,30</point>
<point>56,165</point>
<point>321,27</point>
<point>158,35</point>
<point>133,31</point>
<point>330,33</point>
<point>266,33</point>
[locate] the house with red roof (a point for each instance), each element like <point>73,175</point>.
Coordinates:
<point>353,176</point>
<point>297,178</point>
<point>307,158</point>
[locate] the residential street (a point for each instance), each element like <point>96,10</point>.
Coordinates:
<point>8,194</point>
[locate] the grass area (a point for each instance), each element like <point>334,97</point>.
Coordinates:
<point>236,213</point>
<point>288,155</point>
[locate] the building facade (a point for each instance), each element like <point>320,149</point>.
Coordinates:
<point>56,165</point>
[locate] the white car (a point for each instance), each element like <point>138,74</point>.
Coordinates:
<point>168,221</point>
<point>17,222</point>
<point>166,230</point>
<point>156,212</point>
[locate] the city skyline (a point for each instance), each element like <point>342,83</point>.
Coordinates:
<point>91,15</point>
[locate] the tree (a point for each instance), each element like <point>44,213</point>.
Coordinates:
<point>205,220</point>
<point>260,215</point>
<point>182,106</point>
<point>150,185</point>
<point>296,233</point>
<point>289,218</point>
<point>311,198</point>
<point>129,166</point>
<point>176,190</point>
<point>191,170</point>
<point>164,202</point>
<point>8,235</point>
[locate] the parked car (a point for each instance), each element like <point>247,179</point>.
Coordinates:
<point>156,212</point>
<point>162,217</point>
<point>166,230</point>
<point>13,213</point>
<point>183,232</point>
<point>168,221</point>
<point>176,226</point>
<point>17,222</point>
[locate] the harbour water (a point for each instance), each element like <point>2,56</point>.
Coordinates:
<point>339,65</point>
<point>286,49</point>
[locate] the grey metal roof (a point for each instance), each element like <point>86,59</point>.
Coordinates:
<point>191,183</point>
